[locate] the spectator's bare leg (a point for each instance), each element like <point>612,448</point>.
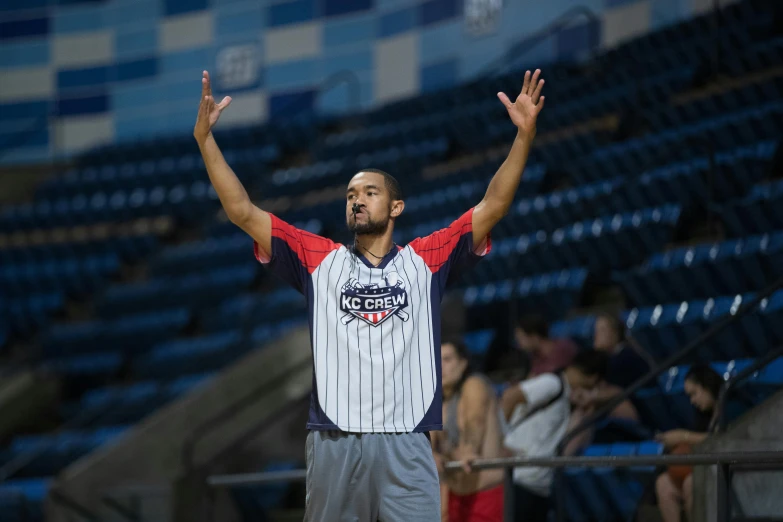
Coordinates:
<point>687,495</point>
<point>669,498</point>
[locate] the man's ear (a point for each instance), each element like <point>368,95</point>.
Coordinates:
<point>397,207</point>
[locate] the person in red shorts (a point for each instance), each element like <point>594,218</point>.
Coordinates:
<point>471,430</point>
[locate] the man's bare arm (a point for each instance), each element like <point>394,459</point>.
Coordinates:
<point>233,196</point>
<point>476,399</point>
<point>511,398</point>
<point>500,193</point>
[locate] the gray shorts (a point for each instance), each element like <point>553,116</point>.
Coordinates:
<point>369,477</point>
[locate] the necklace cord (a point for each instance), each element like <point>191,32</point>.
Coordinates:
<point>356,242</point>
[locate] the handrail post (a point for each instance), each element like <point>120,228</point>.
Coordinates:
<point>722,493</point>
<point>508,495</point>
<point>560,495</point>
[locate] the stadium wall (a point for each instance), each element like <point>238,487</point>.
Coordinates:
<point>79,73</point>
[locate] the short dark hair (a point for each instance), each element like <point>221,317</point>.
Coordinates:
<point>534,325</point>
<point>703,375</point>
<point>591,363</point>
<point>462,352</point>
<point>459,346</point>
<point>392,185</point>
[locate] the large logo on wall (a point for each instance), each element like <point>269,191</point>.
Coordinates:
<point>374,303</point>
<point>238,67</point>
<point>482,16</point>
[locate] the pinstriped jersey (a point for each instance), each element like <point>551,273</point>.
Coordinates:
<point>375,331</point>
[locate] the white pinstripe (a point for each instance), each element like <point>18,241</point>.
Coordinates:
<point>373,378</point>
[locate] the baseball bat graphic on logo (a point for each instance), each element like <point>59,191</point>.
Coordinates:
<point>392,280</point>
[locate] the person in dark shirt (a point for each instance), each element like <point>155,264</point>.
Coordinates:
<point>627,363</point>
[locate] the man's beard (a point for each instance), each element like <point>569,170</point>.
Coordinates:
<point>370,228</point>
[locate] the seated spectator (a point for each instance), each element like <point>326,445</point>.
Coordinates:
<point>546,355</point>
<point>537,412</point>
<point>471,429</point>
<point>674,488</point>
<point>627,363</point>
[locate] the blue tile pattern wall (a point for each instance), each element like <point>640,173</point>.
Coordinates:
<point>125,69</point>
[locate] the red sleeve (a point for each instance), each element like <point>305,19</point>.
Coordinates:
<point>295,253</point>
<point>450,251</point>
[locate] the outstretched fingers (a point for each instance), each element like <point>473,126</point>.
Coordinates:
<point>525,84</point>
<point>540,105</point>
<point>531,86</point>
<point>537,92</point>
<point>504,99</point>
<point>225,103</point>
<point>207,84</point>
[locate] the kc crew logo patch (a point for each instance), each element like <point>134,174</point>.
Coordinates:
<point>372,303</point>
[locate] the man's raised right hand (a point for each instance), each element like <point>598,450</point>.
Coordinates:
<point>208,110</point>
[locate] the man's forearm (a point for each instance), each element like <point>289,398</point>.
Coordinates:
<point>232,194</point>
<point>473,435</point>
<point>504,184</point>
<point>511,397</point>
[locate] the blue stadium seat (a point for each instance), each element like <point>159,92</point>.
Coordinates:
<point>197,289</point>
<point>579,328</point>
<point>55,451</point>
<point>21,500</point>
<point>609,493</point>
<point>188,356</point>
<point>549,294</point>
<point>133,332</point>
<point>106,363</point>
<point>118,405</point>
<point>478,342</point>
<point>187,384</point>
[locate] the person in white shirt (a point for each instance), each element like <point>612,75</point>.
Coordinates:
<point>537,411</point>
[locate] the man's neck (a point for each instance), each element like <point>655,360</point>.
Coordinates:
<point>448,392</point>
<point>374,248</point>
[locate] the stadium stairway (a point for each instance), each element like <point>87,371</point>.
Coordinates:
<point>757,492</point>
<point>267,384</point>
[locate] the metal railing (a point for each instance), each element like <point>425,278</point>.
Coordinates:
<point>746,460</point>
<point>728,463</point>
